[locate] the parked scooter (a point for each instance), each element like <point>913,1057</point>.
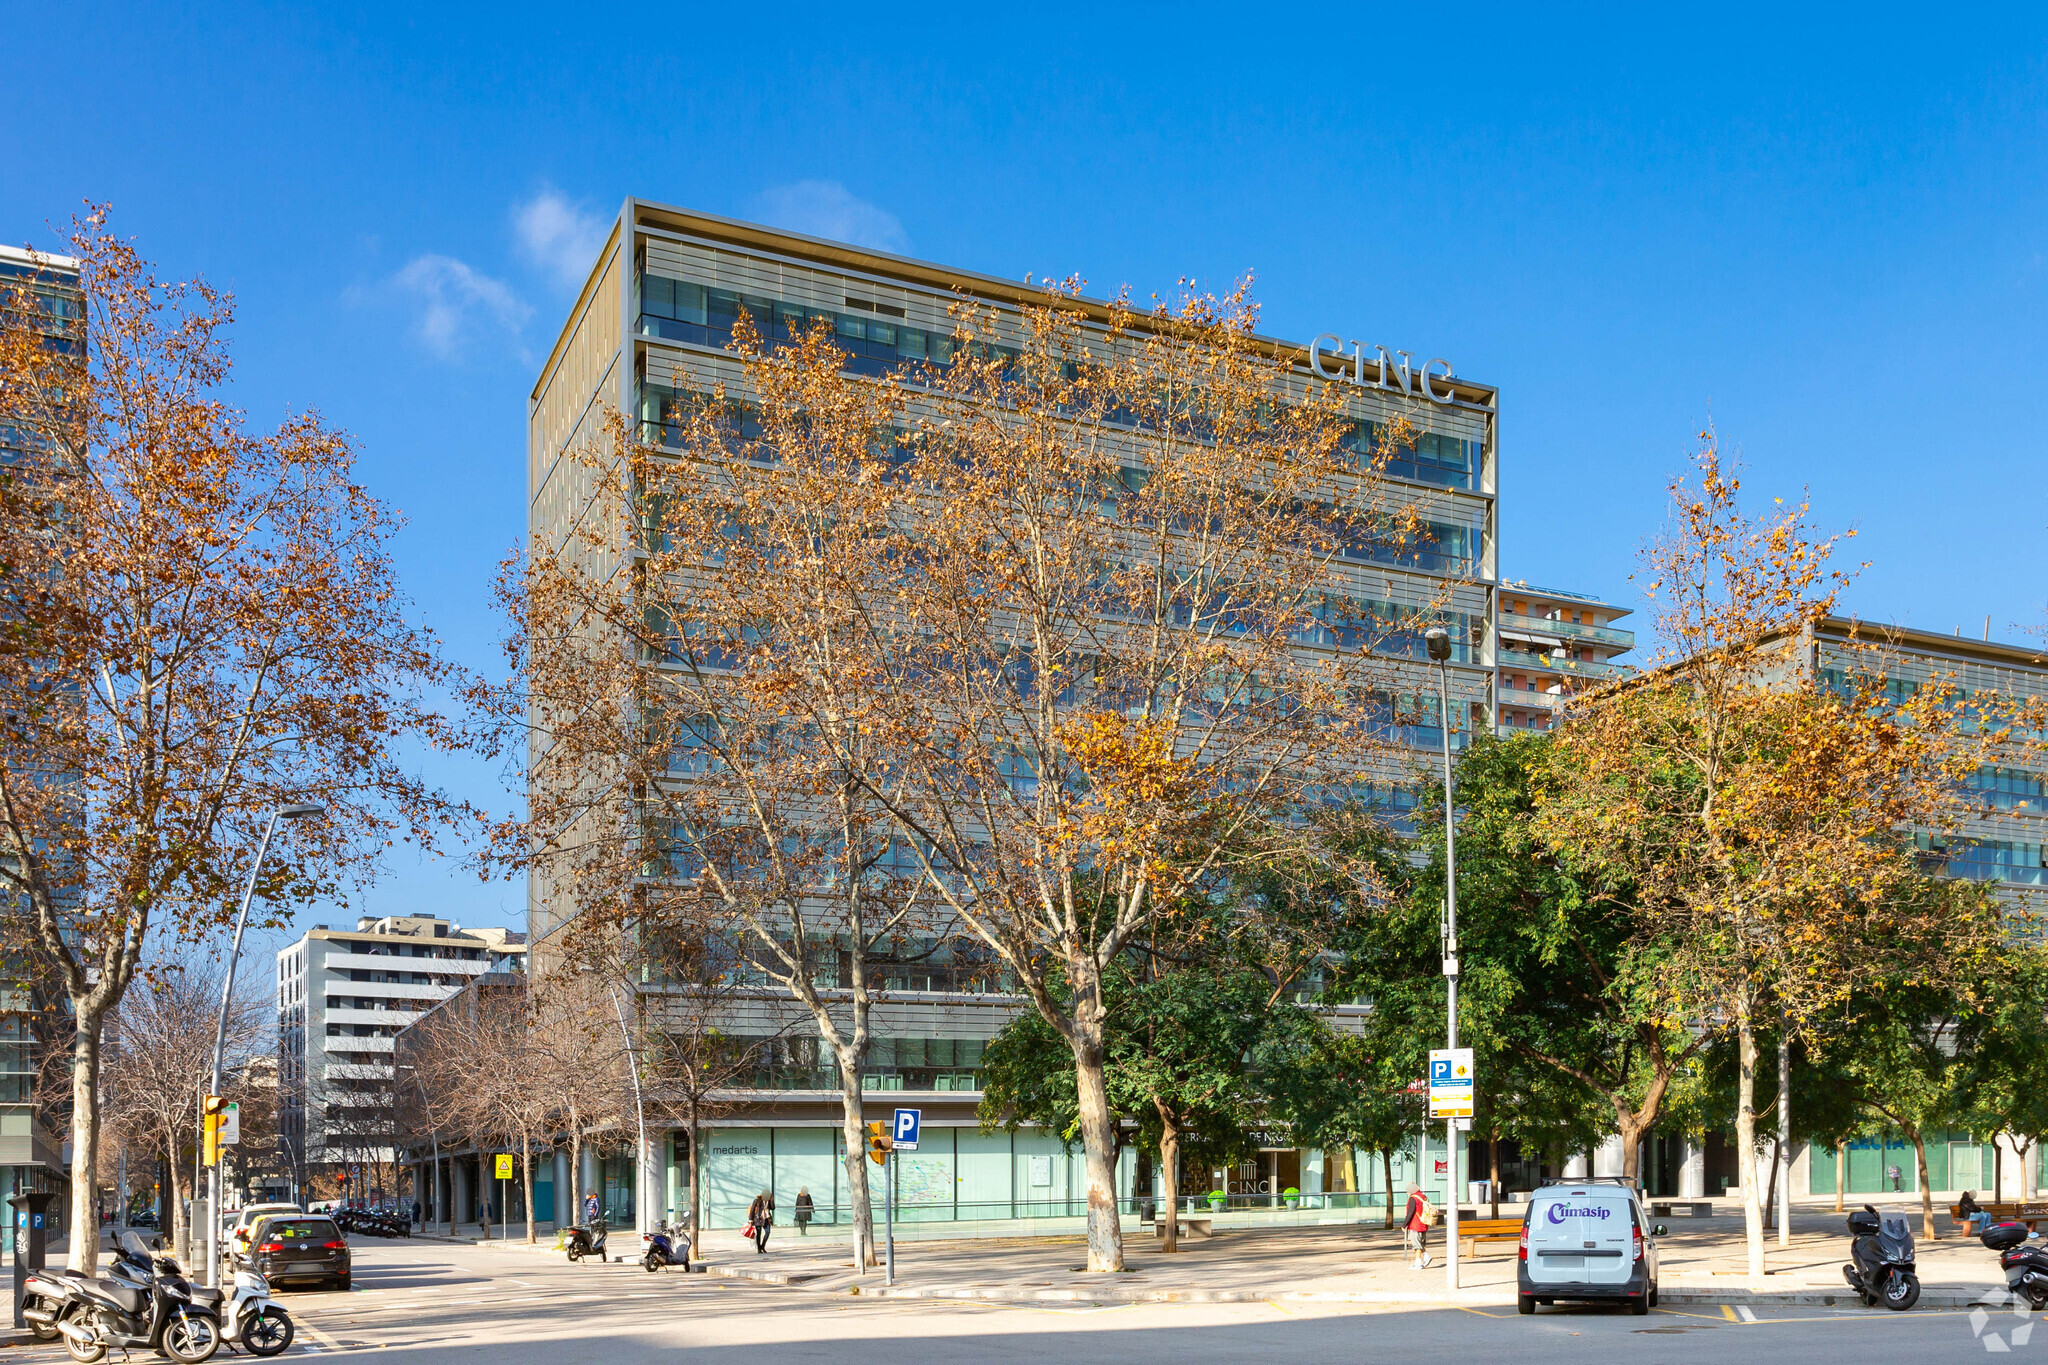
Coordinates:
<point>2025,1267</point>
<point>145,1303</point>
<point>1881,1259</point>
<point>43,1295</point>
<point>253,1320</point>
<point>581,1242</point>
<point>669,1245</point>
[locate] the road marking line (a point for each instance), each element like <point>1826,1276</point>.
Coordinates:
<point>1745,1312</point>
<point>314,1332</point>
<point>1728,1312</point>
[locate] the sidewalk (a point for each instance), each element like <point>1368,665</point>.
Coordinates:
<point>1702,1262</point>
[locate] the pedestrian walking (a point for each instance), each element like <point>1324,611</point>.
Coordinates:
<point>804,1209</point>
<point>1421,1213</point>
<point>760,1218</point>
<point>589,1208</point>
<point>1893,1173</point>
<point>416,1216</point>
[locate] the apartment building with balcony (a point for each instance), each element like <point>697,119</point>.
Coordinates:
<point>342,996</point>
<point>649,333</point>
<point>1553,644</point>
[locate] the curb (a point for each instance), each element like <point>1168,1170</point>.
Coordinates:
<point>1936,1297</point>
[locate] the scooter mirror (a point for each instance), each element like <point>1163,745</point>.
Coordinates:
<point>1659,1230</point>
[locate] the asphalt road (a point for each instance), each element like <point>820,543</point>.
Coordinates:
<point>431,1303</point>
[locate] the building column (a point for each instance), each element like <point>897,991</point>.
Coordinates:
<point>587,1180</point>
<point>565,1190</point>
<point>1607,1157</point>
<point>458,1191</point>
<point>1692,1171</point>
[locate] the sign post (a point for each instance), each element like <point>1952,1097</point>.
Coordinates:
<point>1450,1099</point>
<point>504,1204</point>
<point>903,1130</point>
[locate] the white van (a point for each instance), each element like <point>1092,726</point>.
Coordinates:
<point>1587,1239</point>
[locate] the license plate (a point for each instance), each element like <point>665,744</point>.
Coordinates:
<point>1572,1262</point>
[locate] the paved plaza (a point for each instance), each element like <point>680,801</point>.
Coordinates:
<point>430,1301</point>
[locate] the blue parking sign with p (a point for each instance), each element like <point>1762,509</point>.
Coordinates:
<point>1439,1070</point>
<point>905,1131</point>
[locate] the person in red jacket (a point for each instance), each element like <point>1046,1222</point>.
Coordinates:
<point>1421,1213</point>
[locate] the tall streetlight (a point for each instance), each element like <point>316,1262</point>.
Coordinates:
<point>220,1027</point>
<point>1439,641</point>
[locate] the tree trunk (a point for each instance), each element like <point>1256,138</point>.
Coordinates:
<point>696,1223</point>
<point>1770,1200</point>
<point>1169,1160</point>
<point>1745,1138</point>
<point>180,1238</point>
<point>1387,1167</point>
<point>1997,1170</point>
<point>526,1161</point>
<point>1784,1152</point>
<point>85,1141</point>
<point>1098,1134</point>
<point>575,1168</point>
<point>1841,1172</point>
<point>1926,1195</point>
<point>856,1161</point>
<point>1629,1128</point>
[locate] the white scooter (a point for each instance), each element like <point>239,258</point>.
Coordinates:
<point>254,1321</point>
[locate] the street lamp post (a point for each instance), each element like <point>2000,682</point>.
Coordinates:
<point>220,1027</point>
<point>1439,642</point>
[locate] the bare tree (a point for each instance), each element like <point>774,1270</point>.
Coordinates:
<point>158,1059</point>
<point>203,624</point>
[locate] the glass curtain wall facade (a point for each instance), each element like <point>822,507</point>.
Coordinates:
<point>650,332</point>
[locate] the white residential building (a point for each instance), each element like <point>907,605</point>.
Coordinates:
<point>341,996</point>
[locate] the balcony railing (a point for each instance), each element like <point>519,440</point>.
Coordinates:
<point>1572,630</point>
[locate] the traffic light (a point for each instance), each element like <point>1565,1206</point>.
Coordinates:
<point>880,1144</point>
<point>213,1109</point>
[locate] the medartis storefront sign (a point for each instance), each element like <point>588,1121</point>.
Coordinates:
<point>1380,371</point>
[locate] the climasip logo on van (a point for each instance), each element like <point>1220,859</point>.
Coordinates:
<point>1560,1212</point>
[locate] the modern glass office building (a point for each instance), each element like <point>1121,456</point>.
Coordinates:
<point>34,1154</point>
<point>651,326</point>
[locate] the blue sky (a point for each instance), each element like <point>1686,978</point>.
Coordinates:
<point>1824,232</point>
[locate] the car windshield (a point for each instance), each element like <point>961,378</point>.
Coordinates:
<point>302,1230</point>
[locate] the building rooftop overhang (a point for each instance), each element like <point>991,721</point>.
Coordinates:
<point>797,246</point>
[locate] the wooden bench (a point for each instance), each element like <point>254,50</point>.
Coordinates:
<point>1683,1208</point>
<point>1473,1231</point>
<point>2033,1214</point>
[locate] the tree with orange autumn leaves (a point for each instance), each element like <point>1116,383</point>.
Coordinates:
<point>980,668</point>
<point>198,624</point>
<point>1759,819</point>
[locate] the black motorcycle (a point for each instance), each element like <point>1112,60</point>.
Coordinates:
<point>146,1302</point>
<point>581,1242</point>
<point>1881,1259</point>
<point>2025,1267</point>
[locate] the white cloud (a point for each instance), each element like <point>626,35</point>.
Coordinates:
<point>558,237</point>
<point>826,208</point>
<point>455,300</point>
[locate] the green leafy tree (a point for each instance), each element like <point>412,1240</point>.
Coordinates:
<point>1558,971</point>
<point>1187,1018</point>
<point>2004,1050</point>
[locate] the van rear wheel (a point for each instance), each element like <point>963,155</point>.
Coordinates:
<point>1525,1304</point>
<point>1640,1306</point>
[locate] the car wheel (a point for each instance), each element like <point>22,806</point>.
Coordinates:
<point>1639,1306</point>
<point>1653,1294</point>
<point>341,1283</point>
<point>1525,1304</point>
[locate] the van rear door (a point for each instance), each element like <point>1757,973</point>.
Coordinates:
<point>1582,1234</point>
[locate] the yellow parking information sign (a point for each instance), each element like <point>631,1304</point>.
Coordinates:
<point>1450,1083</point>
<point>504,1165</point>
